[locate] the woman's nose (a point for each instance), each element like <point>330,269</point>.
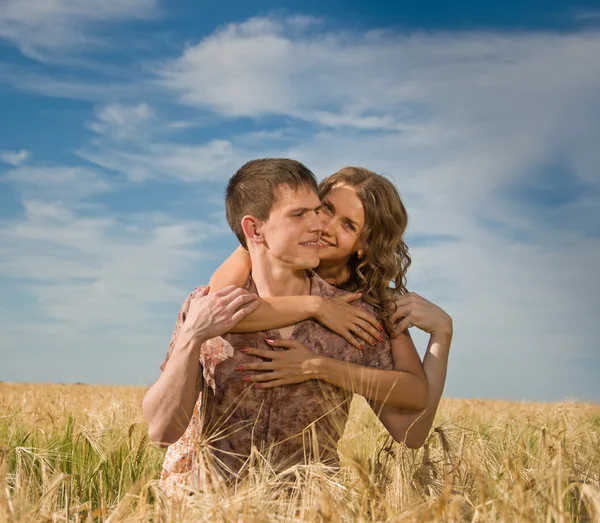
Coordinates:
<point>325,222</point>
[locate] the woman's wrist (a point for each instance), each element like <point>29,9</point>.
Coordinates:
<point>315,306</point>
<point>442,337</point>
<point>445,329</point>
<point>318,368</point>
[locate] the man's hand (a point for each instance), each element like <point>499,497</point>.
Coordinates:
<point>412,309</point>
<point>211,315</point>
<point>352,323</point>
<point>295,365</point>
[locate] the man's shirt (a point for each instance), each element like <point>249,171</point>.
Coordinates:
<point>234,425</point>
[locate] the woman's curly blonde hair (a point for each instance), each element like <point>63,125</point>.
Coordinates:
<point>380,273</point>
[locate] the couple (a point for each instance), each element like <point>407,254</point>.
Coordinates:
<point>263,362</point>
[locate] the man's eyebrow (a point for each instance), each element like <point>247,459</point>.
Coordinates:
<point>304,209</point>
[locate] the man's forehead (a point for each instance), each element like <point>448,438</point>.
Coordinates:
<point>287,197</point>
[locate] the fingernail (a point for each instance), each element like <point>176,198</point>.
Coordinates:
<point>380,327</point>
<point>239,367</point>
<point>258,386</point>
<point>244,350</point>
<point>381,338</point>
<point>246,378</point>
<point>363,347</point>
<point>268,340</point>
<point>374,342</point>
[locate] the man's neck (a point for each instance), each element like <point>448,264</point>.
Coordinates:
<point>273,278</point>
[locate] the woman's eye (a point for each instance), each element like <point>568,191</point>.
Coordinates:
<point>349,226</point>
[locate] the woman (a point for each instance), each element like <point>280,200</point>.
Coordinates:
<point>362,251</point>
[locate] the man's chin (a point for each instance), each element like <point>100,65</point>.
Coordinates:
<point>311,263</point>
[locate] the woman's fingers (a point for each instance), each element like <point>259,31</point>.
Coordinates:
<point>267,376</point>
<point>352,340</point>
<point>371,319</point>
<point>401,312</point>
<point>373,335</point>
<point>261,365</point>
<point>288,344</point>
<point>277,383</point>
<point>262,353</point>
<point>403,325</point>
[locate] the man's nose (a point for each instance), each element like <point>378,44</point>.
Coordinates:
<point>326,225</point>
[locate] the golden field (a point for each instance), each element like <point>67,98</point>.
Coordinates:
<point>81,453</point>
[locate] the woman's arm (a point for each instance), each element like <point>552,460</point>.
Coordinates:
<point>235,270</point>
<point>413,426</point>
<point>405,399</point>
<point>352,323</point>
<point>403,389</point>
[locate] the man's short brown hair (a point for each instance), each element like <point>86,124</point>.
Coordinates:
<point>252,190</point>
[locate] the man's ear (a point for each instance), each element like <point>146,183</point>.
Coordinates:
<point>252,228</point>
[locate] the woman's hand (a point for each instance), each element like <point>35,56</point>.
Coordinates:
<point>412,309</point>
<point>352,323</point>
<point>295,365</point>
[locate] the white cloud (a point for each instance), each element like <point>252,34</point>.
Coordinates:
<point>39,27</point>
<point>382,80</point>
<point>121,122</point>
<point>163,160</point>
<point>57,182</point>
<point>14,157</point>
<point>95,289</point>
<point>461,122</point>
<point>98,270</point>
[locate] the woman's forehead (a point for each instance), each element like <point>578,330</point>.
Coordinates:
<point>346,202</point>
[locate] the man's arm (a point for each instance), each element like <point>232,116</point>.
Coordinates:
<point>169,403</point>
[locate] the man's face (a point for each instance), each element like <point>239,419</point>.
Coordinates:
<point>292,232</point>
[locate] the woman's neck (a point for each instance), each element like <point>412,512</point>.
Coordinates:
<point>335,273</point>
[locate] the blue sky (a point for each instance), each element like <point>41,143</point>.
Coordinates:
<point>122,120</point>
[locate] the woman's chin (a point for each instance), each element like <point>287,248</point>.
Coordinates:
<point>328,254</point>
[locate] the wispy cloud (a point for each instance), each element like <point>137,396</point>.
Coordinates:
<point>40,28</point>
<point>470,126</point>
<point>14,157</point>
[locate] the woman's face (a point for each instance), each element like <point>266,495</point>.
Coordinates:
<point>343,218</point>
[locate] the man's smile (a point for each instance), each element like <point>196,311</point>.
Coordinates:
<point>312,243</point>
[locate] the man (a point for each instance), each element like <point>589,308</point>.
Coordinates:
<point>217,424</point>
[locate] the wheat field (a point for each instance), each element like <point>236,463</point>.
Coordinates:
<point>81,453</point>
